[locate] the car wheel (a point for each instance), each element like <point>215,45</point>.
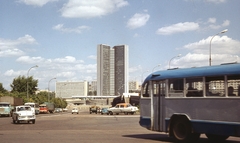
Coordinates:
<point>33,121</point>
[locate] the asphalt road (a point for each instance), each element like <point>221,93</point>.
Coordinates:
<point>84,128</point>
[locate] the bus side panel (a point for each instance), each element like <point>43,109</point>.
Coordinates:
<point>207,115</point>
<point>219,128</point>
<point>145,113</point>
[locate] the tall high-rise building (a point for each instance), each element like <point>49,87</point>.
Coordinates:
<point>112,70</point>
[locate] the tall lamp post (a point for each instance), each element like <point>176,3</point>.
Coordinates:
<point>156,67</point>
<point>142,75</point>
<point>27,78</point>
<point>210,60</point>
<point>49,87</point>
<point>179,55</point>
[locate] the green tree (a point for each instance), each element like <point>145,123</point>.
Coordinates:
<point>41,97</point>
<point>2,89</point>
<point>21,83</point>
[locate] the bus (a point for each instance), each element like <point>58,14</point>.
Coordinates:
<point>186,103</point>
<point>35,107</point>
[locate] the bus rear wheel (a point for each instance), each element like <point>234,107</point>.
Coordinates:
<point>182,131</point>
<point>216,138</point>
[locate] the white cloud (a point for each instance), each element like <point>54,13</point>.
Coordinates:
<point>216,1</point>
<point>12,47</point>
<point>223,50</point>
<point>138,20</point>
<point>224,24</point>
<point>212,20</point>
<point>39,3</point>
<point>179,27</point>
<point>91,8</point>
<point>60,27</point>
<point>63,68</point>
<point>40,60</point>
<point>30,60</point>
<point>94,57</point>
<point>11,52</point>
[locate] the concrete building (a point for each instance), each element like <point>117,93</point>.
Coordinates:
<point>69,89</point>
<point>112,70</point>
<point>133,86</point>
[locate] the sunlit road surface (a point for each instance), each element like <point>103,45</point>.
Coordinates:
<point>84,128</point>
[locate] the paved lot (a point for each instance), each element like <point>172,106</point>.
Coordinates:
<point>84,128</point>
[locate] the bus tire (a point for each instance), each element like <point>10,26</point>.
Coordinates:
<point>181,129</point>
<point>216,138</point>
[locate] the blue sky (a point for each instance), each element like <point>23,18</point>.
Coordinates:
<point>61,36</point>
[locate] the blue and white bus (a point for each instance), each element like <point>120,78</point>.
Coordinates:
<point>188,102</point>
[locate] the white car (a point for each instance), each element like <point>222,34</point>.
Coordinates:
<point>125,108</point>
<point>75,110</point>
<point>23,113</point>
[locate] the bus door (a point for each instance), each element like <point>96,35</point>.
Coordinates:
<point>157,105</point>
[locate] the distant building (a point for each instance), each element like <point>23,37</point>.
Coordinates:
<point>69,89</point>
<point>133,86</point>
<point>92,88</point>
<point>112,70</point>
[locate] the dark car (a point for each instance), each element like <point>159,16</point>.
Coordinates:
<point>94,109</point>
<point>104,111</point>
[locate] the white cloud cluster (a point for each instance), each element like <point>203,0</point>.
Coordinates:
<point>216,1</point>
<point>80,29</point>
<point>179,27</point>
<point>138,20</point>
<point>91,8</point>
<point>223,50</point>
<point>213,24</point>
<point>11,47</point>
<point>39,3</point>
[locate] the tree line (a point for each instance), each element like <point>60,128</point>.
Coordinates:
<point>26,88</point>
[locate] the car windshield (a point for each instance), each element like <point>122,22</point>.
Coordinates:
<point>4,105</point>
<point>24,109</point>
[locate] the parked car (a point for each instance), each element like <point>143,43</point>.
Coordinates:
<point>104,111</point>
<point>65,110</point>
<point>75,110</point>
<point>23,113</point>
<point>56,110</point>
<point>125,108</point>
<point>94,109</point>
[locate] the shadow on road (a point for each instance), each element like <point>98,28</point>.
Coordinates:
<point>166,138</point>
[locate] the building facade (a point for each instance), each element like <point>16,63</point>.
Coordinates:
<point>70,89</point>
<point>112,70</point>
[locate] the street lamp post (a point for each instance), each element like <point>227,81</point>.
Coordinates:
<point>156,67</point>
<point>142,75</point>
<point>210,60</point>
<point>49,87</point>
<point>179,55</point>
<point>27,78</point>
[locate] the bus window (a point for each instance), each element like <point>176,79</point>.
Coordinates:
<point>176,88</point>
<point>155,89</point>
<point>145,90</point>
<point>215,86</point>
<point>194,87</point>
<point>233,85</point>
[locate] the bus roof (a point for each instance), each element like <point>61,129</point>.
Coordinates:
<point>224,69</point>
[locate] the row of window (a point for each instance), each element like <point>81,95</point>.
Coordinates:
<point>220,86</point>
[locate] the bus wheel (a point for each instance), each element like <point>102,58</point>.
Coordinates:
<point>181,129</point>
<point>216,138</point>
